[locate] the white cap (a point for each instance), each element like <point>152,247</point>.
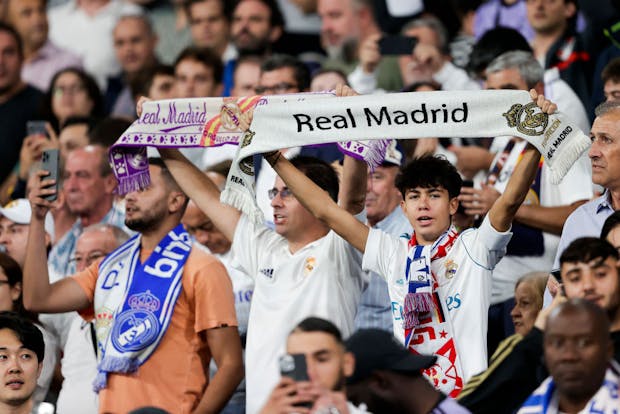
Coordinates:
<point>19,212</point>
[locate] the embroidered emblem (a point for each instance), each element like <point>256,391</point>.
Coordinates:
<point>137,327</point>
<point>103,322</point>
<point>230,116</point>
<point>309,266</point>
<point>528,119</point>
<point>246,165</point>
<point>451,268</point>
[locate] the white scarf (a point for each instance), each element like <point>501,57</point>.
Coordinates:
<point>467,114</point>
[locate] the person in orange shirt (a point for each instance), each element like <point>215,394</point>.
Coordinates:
<point>162,309</point>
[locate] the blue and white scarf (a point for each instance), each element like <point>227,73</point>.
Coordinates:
<point>606,401</point>
<point>134,301</point>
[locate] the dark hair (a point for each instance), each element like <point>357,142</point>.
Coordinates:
<point>205,56</point>
<point>611,223</point>
<point>228,6</point>
<point>28,334</point>
<point>168,178</point>
<point>429,171</point>
<point>107,131</point>
<point>586,249</point>
<point>89,121</point>
<point>493,43</point>
<point>320,172</point>
<point>279,61</point>
<point>7,28</point>
<point>276,19</point>
<point>92,90</point>
<point>611,71</point>
<point>315,324</point>
<point>143,81</point>
<point>14,275</point>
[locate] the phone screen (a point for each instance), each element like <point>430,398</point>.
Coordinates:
<point>397,45</point>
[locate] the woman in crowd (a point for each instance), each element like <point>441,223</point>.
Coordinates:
<point>72,93</point>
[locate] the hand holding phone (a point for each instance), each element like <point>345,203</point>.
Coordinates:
<point>49,162</point>
<point>294,366</point>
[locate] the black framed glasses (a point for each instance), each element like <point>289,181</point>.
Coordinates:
<point>88,259</point>
<point>284,193</point>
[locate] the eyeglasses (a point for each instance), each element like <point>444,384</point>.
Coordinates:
<point>277,88</point>
<point>68,90</point>
<point>284,193</point>
<point>88,259</point>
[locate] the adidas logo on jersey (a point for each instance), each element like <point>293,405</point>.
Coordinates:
<point>267,272</point>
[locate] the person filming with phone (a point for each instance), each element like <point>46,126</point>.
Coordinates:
<point>313,372</point>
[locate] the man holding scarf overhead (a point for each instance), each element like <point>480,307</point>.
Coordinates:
<point>162,308</point>
<point>439,280</point>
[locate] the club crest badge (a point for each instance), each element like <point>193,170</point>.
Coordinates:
<point>528,119</point>
<point>247,165</point>
<point>309,265</point>
<point>137,328</point>
<point>451,268</point>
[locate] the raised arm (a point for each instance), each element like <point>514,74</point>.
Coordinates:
<point>319,203</point>
<point>202,191</point>
<point>352,193</point>
<point>505,208</point>
<point>38,294</point>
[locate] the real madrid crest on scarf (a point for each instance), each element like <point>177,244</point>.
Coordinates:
<point>142,297</point>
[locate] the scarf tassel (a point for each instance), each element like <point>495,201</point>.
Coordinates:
<point>113,364</point>
<point>415,304</point>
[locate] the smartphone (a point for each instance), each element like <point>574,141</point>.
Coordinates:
<point>397,45</point>
<point>36,128</point>
<point>49,162</point>
<point>295,367</point>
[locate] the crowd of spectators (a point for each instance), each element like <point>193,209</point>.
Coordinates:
<point>169,299</point>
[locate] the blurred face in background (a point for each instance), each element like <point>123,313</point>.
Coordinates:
<point>29,18</point>
<point>70,97</point>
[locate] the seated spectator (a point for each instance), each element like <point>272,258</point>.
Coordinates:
<point>11,301</point>
<point>134,45</point>
<point>328,365</point>
<point>42,58</point>
<point>72,92</point>
<point>22,351</point>
<point>388,379</point>
<point>578,354</point>
<point>209,22</point>
<point>611,229</point>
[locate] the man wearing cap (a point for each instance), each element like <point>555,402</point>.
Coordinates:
<point>14,226</point>
<point>388,378</point>
<point>382,212</point>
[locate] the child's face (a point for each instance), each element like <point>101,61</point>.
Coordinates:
<point>429,211</point>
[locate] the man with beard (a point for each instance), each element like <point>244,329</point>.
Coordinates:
<point>162,309</point>
<point>328,364</point>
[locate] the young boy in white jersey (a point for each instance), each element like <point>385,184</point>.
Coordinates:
<point>439,281</point>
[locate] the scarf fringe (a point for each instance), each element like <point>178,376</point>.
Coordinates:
<point>113,364</point>
<point>238,199</point>
<point>416,303</point>
<point>133,183</point>
<point>571,151</point>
